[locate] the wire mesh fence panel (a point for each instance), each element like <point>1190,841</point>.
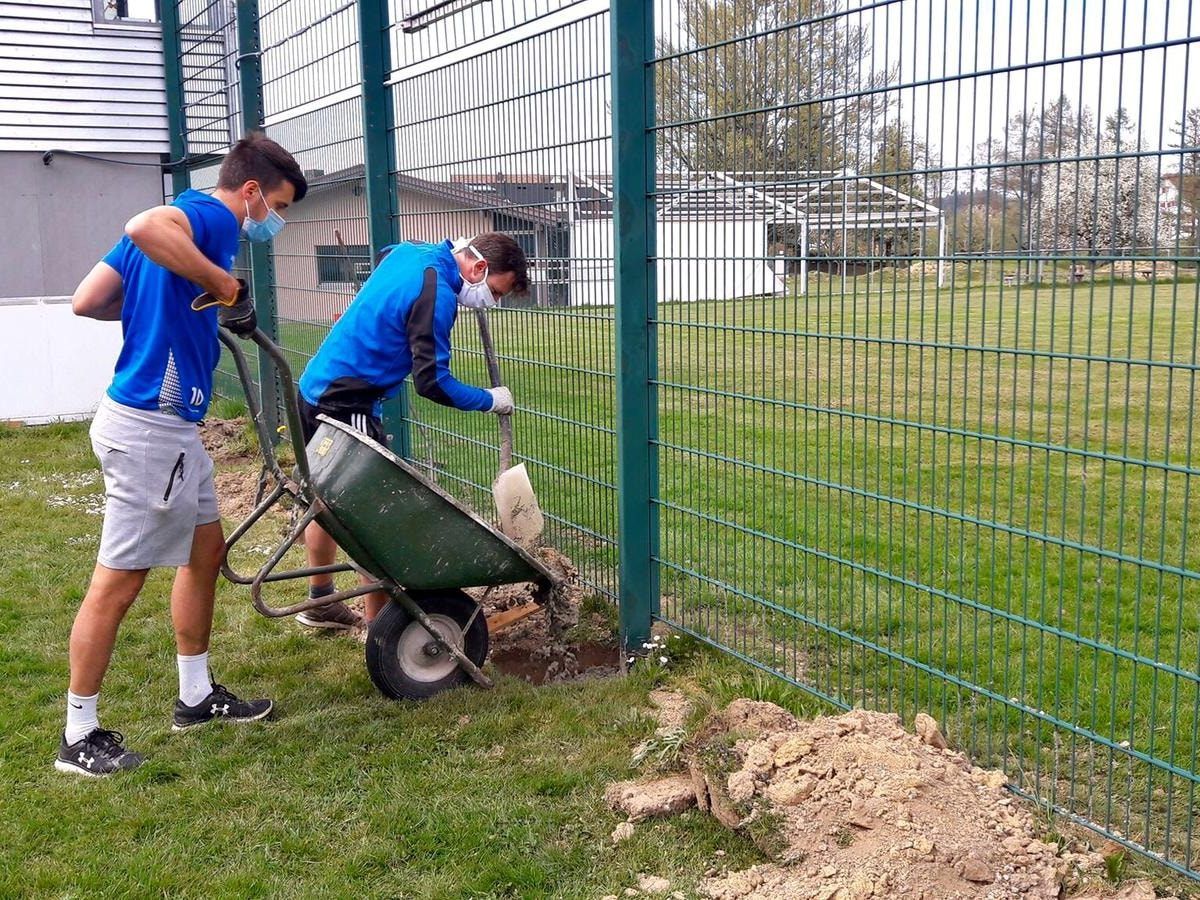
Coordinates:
<point>922,334</point>
<point>927,342</point>
<point>501,123</point>
<point>311,89</point>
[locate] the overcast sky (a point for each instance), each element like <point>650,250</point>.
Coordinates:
<point>942,39</point>
<point>456,79</point>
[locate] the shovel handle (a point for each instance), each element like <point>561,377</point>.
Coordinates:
<point>493,367</point>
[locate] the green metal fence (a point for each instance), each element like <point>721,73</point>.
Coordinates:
<point>863,337</point>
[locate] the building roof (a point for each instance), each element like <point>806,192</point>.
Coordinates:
<point>822,200</point>
<point>461,195</point>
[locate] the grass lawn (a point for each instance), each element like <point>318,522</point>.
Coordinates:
<point>343,793</point>
<point>975,501</point>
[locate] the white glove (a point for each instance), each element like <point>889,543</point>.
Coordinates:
<point>502,400</point>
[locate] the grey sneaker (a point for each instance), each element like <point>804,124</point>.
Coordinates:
<point>337,616</point>
<point>221,703</point>
<point>99,753</point>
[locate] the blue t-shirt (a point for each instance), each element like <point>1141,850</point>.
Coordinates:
<point>169,351</point>
<point>400,322</point>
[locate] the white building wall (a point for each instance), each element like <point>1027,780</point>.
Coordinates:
<point>70,83</point>
<point>65,362</point>
<point>698,260</point>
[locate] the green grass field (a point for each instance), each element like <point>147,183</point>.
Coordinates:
<point>975,501</point>
<point>343,793</point>
<point>855,491</point>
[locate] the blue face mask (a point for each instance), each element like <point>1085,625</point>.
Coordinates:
<point>262,229</point>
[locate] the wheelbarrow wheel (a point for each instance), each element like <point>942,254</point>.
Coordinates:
<point>403,659</point>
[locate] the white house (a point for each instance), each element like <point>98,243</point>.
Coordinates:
<point>76,76</point>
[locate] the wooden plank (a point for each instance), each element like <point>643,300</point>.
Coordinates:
<point>52,16</point>
<point>83,120</point>
<point>143,79</point>
<point>78,67</point>
<point>40,145</point>
<point>29,24</point>
<point>501,620</point>
<point>63,5</point>
<point>130,143</point>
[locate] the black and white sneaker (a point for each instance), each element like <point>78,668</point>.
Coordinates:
<point>98,753</point>
<point>220,704</point>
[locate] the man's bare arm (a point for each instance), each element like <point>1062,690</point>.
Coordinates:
<point>165,236</point>
<point>99,295</point>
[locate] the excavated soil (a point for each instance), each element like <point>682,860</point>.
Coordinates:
<point>555,644</point>
<point>238,468</point>
<point>855,806</point>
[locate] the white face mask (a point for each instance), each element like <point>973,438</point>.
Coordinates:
<point>476,295</point>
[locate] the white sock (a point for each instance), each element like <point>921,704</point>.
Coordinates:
<point>81,716</point>
<point>194,681</point>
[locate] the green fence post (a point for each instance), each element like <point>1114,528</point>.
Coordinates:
<point>176,115</point>
<point>262,269</point>
<point>636,292</point>
<point>382,202</point>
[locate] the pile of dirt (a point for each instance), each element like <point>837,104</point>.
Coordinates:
<point>238,466</point>
<point>855,806</point>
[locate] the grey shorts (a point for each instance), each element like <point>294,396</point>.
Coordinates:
<point>158,485</point>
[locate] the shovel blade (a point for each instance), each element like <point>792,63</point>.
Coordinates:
<point>520,516</point>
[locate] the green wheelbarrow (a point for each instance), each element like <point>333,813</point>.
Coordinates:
<point>404,534</point>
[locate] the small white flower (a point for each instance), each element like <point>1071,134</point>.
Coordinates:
<point>663,660</point>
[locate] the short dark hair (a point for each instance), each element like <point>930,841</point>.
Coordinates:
<point>503,254</point>
<point>258,158</point>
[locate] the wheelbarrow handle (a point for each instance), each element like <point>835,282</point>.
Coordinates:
<point>493,367</point>
<point>288,392</point>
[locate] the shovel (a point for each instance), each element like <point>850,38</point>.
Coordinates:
<point>520,515</point>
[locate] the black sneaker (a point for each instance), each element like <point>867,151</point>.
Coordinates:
<point>336,615</point>
<point>96,754</point>
<point>220,704</point>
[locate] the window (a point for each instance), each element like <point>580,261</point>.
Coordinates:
<point>132,12</point>
<point>342,263</point>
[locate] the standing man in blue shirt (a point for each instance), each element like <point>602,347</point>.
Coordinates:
<point>161,507</point>
<point>400,323</point>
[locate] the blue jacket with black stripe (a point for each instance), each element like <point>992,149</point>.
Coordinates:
<point>398,324</point>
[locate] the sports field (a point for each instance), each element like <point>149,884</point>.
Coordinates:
<point>976,501</point>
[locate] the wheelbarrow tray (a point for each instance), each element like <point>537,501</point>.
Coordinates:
<point>395,523</point>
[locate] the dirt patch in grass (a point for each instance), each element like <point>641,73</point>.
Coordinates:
<point>228,440</point>
<point>855,806</point>
<point>565,640</point>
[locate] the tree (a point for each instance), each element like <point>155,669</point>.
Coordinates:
<point>1187,180</point>
<point>1099,202</point>
<point>985,228</point>
<point>753,101</point>
<point>1016,162</point>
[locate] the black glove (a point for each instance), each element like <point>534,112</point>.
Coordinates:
<point>239,318</point>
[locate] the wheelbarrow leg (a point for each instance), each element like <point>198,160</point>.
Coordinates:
<point>410,605</point>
